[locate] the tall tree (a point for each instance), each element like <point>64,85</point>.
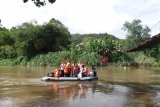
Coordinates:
<point>37,39</point>
<point>5,38</point>
<point>7,49</point>
<point>39,3</point>
<point>136,32</point>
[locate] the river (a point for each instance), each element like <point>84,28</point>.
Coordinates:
<point>116,87</point>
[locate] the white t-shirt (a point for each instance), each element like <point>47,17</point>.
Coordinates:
<point>62,66</point>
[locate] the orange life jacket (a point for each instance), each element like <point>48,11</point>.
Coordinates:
<point>66,70</point>
<point>87,70</point>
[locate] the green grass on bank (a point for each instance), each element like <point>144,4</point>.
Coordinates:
<point>54,59</point>
<point>7,62</point>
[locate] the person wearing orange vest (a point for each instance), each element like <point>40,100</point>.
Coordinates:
<point>67,69</point>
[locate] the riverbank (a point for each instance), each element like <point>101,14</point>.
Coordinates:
<point>138,59</point>
<point>44,60</point>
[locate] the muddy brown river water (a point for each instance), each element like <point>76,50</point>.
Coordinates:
<point>116,87</point>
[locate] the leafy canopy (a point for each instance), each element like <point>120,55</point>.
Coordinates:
<point>32,39</point>
<point>136,32</point>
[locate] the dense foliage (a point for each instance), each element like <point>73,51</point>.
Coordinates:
<point>7,49</point>
<point>30,39</point>
<point>79,38</point>
<point>51,43</point>
<point>154,53</point>
<point>136,33</point>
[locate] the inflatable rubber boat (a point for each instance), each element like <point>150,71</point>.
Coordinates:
<point>69,78</point>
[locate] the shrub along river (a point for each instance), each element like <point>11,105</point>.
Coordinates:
<point>116,87</point>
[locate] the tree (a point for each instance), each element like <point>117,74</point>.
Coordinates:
<point>7,49</point>
<point>40,3</point>
<point>5,38</point>
<point>136,32</point>
<point>40,39</point>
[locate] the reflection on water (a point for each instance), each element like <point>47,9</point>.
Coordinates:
<point>116,87</point>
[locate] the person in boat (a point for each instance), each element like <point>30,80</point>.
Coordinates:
<point>75,70</point>
<point>72,66</point>
<point>80,66</point>
<point>84,71</point>
<point>62,66</point>
<point>57,72</point>
<point>94,72</point>
<point>50,74</point>
<point>67,69</point>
